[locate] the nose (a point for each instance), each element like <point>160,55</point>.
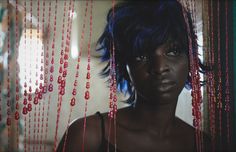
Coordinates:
<point>159,65</point>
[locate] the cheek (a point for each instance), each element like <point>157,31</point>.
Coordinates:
<point>182,72</point>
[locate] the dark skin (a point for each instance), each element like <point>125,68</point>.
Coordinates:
<point>158,78</point>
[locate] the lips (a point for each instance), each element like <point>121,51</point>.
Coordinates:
<point>163,85</point>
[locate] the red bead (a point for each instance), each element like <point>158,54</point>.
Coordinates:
<point>30,97</point>
<point>77,74</point>
<point>17,89</point>
<point>74,92</point>
<point>59,79</point>
<point>88,75</point>
<point>51,78</point>
<point>60,69</point>
<point>46,63</point>
<point>88,67</point>
<point>37,82</point>
<point>40,96</point>
<point>65,64</point>
<point>52,69</point>
<point>75,83</point>
<point>72,102</point>
<point>52,61</point>
<point>36,101</point>
<point>115,98</point>
<point>61,60</point>
<point>25,85</point>
<point>50,88</point>
<point>36,91</point>
<point>17,97</point>
<point>64,73</point>
<point>111,95</point>
<point>63,83</point>
<point>44,89</point>
<point>115,108</point>
<point>66,49</point>
<point>110,105</point>
<point>62,91</point>
<point>25,101</point>
<point>41,76</point>
<point>77,67</point>
<point>29,107</point>
<point>17,115</point>
<point>87,85</point>
<point>8,112</point>
<point>8,121</point>
<point>17,106</point>
<point>87,95</point>
<point>66,56</point>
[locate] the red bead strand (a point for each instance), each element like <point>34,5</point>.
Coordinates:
<point>24,110</point>
<point>88,76</point>
<point>219,87</point>
<point>8,120</point>
<point>227,87</point>
<point>46,86</point>
<point>64,61</point>
<point>74,92</point>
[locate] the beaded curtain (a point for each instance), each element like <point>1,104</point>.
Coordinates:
<point>25,103</point>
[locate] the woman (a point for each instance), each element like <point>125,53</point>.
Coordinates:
<point>152,65</point>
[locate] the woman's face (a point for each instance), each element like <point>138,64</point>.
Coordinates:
<point>160,76</point>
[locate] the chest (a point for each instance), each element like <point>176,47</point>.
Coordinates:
<point>144,142</point>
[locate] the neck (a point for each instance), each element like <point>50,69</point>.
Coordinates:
<point>158,118</point>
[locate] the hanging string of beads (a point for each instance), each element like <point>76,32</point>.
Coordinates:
<point>36,84</point>
<point>65,56</point>
<point>8,120</point>
<point>46,75</point>
<point>227,87</point>
<point>88,75</point>
<point>219,74</point>
<point>44,86</point>
<point>211,78</point>
<point>17,115</point>
<point>112,81</point>
<point>24,111</point>
<point>29,105</point>
<point>196,88</point>
<point>74,91</point>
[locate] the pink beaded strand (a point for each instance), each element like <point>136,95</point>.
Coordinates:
<point>46,75</point>
<point>24,110</point>
<point>211,78</point>
<point>196,90</point>
<point>74,92</point>
<point>44,86</point>
<point>17,115</point>
<point>62,84</point>
<point>8,121</point>
<point>227,87</point>
<point>88,76</point>
<point>219,87</point>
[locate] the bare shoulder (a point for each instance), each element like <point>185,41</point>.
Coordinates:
<point>72,139</point>
<point>188,135</point>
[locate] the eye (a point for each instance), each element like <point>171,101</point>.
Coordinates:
<point>173,52</point>
<point>141,58</point>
